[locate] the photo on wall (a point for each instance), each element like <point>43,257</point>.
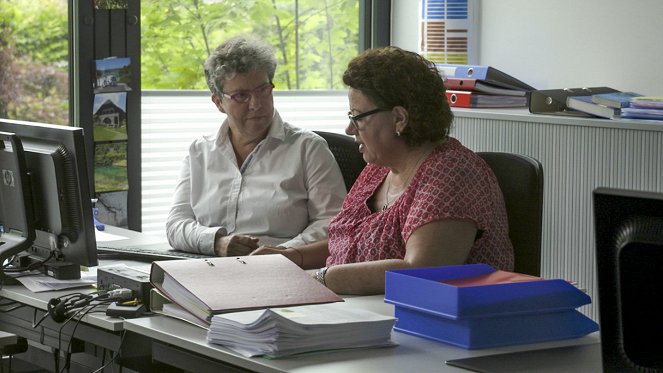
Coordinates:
<point>111,4</point>
<point>109,116</point>
<point>110,167</point>
<point>449,31</point>
<point>112,74</point>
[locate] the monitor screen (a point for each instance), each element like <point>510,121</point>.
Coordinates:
<point>629,259</point>
<point>59,187</point>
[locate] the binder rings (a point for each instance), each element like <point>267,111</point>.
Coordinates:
<point>469,84</point>
<point>205,287</point>
<point>488,74</point>
<point>553,101</point>
<point>468,99</point>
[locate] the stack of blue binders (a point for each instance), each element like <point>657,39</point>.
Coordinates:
<point>486,315</point>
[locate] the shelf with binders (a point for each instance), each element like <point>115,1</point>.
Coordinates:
<point>470,86</point>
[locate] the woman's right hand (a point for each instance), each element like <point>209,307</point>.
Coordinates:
<point>235,245</point>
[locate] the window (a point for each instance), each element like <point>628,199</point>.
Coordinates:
<point>313,39</point>
<point>34,63</point>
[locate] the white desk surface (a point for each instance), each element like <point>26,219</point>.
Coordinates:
<point>21,294</point>
<point>7,339</point>
<point>414,354</point>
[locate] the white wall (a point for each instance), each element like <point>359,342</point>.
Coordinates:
<point>563,43</point>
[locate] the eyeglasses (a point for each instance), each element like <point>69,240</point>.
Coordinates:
<point>354,119</point>
<point>244,96</point>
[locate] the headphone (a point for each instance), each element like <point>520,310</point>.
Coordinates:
<point>57,309</point>
<point>60,308</point>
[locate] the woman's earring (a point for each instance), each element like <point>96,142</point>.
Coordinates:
<point>398,133</point>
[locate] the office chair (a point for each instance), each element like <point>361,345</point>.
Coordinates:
<point>346,153</point>
<point>521,179</point>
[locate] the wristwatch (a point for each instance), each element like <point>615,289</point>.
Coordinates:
<point>320,275</point>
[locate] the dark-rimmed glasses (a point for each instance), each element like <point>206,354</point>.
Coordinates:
<point>354,119</point>
<point>244,96</point>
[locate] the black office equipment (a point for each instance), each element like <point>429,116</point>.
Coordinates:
<point>16,223</point>
<point>150,252</point>
<point>629,260</point>
<point>114,277</point>
<point>579,358</point>
<point>553,101</point>
<point>55,161</point>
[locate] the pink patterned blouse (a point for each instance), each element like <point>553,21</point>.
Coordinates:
<point>452,183</point>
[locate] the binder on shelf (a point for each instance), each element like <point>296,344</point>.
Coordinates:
<point>553,101</point>
<point>642,113</point>
<point>488,74</point>
<point>205,287</point>
<point>468,99</point>
<point>615,99</point>
<point>587,105</point>
<point>647,102</point>
<point>469,84</point>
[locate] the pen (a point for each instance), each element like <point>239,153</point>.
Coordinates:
<point>209,263</point>
<point>241,260</point>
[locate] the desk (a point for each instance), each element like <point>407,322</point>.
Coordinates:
<point>95,335</point>
<point>7,339</point>
<point>160,339</point>
<point>179,344</point>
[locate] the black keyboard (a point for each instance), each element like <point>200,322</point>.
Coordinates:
<point>145,253</point>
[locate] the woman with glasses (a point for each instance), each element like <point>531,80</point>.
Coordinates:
<point>423,200</point>
<point>258,180</point>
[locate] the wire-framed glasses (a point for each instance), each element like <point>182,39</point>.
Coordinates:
<point>244,96</point>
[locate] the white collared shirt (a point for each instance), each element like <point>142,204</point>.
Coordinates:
<point>286,192</point>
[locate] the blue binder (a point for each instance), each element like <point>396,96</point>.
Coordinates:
<point>488,74</point>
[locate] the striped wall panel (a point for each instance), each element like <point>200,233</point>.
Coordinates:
<point>576,159</point>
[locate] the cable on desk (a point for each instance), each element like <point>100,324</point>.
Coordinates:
<point>32,266</point>
<point>114,356</point>
<point>109,297</point>
<point>34,317</point>
<point>61,307</point>
<point>10,303</point>
<point>71,337</point>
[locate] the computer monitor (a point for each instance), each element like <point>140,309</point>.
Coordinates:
<point>16,222</point>
<point>59,189</point>
<point>629,259</point>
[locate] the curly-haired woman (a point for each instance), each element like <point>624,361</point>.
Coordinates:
<point>423,200</point>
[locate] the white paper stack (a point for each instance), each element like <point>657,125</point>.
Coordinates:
<point>278,332</point>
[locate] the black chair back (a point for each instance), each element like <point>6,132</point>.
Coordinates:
<point>521,179</point>
<point>346,152</point>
